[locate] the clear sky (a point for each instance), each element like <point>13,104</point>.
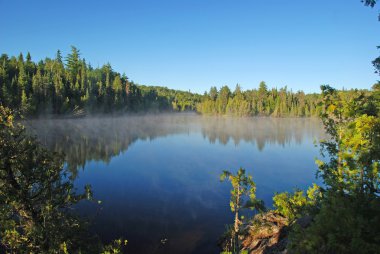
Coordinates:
<point>195,44</point>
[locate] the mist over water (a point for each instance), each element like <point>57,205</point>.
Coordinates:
<point>158,176</point>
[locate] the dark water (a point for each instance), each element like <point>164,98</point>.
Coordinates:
<point>158,176</point>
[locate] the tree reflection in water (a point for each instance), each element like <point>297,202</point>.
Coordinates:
<point>102,138</point>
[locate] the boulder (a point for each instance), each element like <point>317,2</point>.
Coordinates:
<point>266,233</point>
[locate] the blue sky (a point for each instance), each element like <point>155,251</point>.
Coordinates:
<point>195,44</point>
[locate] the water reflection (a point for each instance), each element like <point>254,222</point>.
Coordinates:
<point>100,139</point>
<point>259,130</point>
<point>158,175</point>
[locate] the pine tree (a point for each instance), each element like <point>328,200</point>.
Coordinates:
<point>243,195</point>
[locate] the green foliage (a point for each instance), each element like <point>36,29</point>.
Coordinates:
<point>242,185</point>
<point>295,205</point>
<point>115,247</point>
<point>51,87</point>
<point>354,147</point>
<point>344,224</point>
<point>259,102</point>
<point>156,98</point>
<point>34,195</point>
<point>37,197</point>
<point>243,195</point>
<point>376,62</point>
<point>347,218</point>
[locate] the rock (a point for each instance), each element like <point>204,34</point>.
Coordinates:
<point>267,233</point>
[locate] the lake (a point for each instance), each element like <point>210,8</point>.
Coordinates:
<point>158,176</point>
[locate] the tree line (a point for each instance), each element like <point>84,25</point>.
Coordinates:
<point>63,86</point>
<point>259,102</point>
<point>71,85</point>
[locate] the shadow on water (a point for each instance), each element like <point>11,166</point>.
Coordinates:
<point>157,176</point>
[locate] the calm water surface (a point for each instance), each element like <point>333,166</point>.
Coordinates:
<point>158,176</point>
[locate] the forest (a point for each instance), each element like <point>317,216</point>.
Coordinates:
<point>259,102</point>
<point>70,86</point>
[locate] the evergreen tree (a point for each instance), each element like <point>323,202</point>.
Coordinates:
<point>73,64</point>
<point>243,195</point>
